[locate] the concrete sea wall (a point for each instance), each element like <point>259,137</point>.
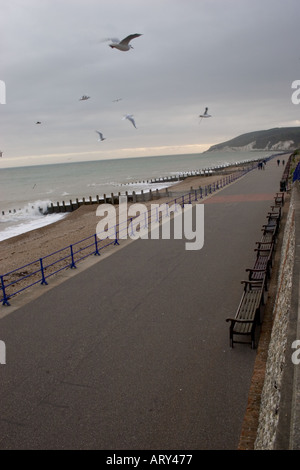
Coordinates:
<point>278,354</point>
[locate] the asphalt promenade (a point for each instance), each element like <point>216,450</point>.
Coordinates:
<point>133,352</point>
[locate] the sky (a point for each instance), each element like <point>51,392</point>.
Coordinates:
<point>239,58</point>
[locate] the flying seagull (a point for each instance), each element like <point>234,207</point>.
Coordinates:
<point>84,98</point>
<point>124,44</point>
<point>38,122</point>
<point>130,118</point>
<point>118,99</point>
<point>205,114</point>
<point>100,136</point>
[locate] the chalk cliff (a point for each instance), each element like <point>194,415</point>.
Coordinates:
<point>281,138</point>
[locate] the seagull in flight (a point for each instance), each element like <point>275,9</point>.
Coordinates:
<point>118,99</point>
<point>38,122</point>
<point>205,114</point>
<point>130,118</point>
<point>124,44</point>
<point>100,136</point>
<point>84,98</point>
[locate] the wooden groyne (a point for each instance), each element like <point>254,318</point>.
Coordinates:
<point>107,199</point>
<point>141,196</point>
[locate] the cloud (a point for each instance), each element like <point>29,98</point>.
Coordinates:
<point>237,58</point>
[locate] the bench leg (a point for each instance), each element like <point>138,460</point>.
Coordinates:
<point>231,336</point>
<point>253,339</point>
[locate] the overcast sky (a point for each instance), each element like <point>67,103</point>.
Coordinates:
<point>236,57</point>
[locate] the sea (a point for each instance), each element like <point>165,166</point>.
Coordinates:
<point>26,192</point>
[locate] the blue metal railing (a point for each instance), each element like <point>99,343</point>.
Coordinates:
<point>296,175</point>
<point>38,271</point>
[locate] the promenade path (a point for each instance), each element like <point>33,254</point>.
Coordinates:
<point>133,352</point>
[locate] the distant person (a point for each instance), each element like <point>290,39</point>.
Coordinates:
<point>283,162</point>
<point>278,162</point>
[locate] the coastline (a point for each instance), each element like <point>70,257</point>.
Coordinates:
<point>18,251</point>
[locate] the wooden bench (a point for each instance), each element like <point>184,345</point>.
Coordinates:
<point>266,247</point>
<point>261,270</point>
<point>269,234</point>
<point>275,211</point>
<point>248,314</point>
<point>270,230</point>
<point>274,217</point>
<point>279,199</point>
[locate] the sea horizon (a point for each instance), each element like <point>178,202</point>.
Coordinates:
<point>28,190</point>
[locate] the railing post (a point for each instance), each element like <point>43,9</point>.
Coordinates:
<point>116,237</point>
<point>131,226</point>
<point>96,246</point>
<point>42,271</point>
<point>146,215</point>
<point>5,298</point>
<point>72,258</point>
